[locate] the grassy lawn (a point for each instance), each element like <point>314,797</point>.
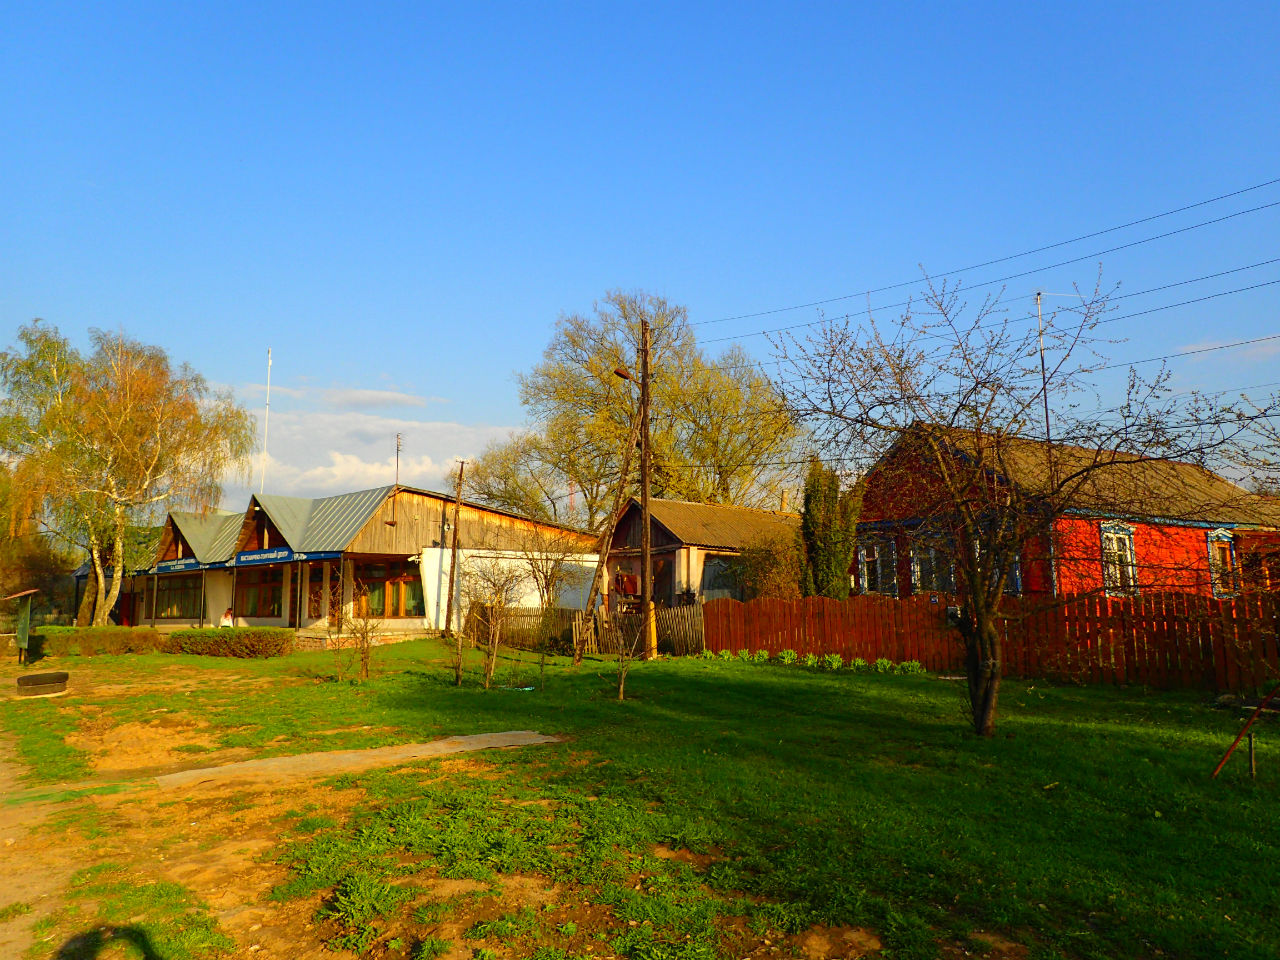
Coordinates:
<point>727,810</point>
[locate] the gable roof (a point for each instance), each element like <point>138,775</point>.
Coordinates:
<point>720,525</point>
<point>326,524</point>
<point>1115,482</point>
<point>210,535</point>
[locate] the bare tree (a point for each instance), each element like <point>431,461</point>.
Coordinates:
<point>492,582</point>
<point>549,555</point>
<point>948,400</point>
<point>628,633</point>
<point>363,628</point>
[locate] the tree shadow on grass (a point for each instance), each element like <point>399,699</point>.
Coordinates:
<point>91,944</point>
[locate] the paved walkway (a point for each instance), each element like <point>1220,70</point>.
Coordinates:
<point>277,769</point>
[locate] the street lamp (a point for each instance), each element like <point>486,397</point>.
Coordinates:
<point>648,626</point>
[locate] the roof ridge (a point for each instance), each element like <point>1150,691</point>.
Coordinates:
<point>722,506</point>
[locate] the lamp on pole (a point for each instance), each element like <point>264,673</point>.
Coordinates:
<point>648,625</point>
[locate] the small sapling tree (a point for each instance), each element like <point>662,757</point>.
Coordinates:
<point>492,583</point>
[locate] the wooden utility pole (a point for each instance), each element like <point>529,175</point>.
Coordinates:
<point>646,524</point>
<point>453,552</point>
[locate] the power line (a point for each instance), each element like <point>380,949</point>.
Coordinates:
<point>783,410</point>
<point>760,364</point>
<point>990,263</point>
<point>1012,276</point>
<point>1188,353</point>
<point>800,462</point>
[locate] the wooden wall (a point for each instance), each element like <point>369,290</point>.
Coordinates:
<point>420,522</point>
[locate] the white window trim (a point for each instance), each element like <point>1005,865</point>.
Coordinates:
<point>916,586</point>
<point>1120,531</point>
<point>1213,537</point>
<point>879,545</point>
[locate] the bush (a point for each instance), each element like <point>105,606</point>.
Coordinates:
<point>910,668</point>
<point>883,666</point>
<point>707,654</point>
<point>744,655</point>
<point>832,661</point>
<point>93,641</point>
<point>788,657</point>
<point>726,654</point>
<point>810,659</point>
<point>244,642</point>
<point>760,656</point>
<point>857,663</point>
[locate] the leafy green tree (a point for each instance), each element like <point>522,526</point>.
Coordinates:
<point>718,427</point>
<point>828,530</point>
<point>770,567</point>
<point>104,443</point>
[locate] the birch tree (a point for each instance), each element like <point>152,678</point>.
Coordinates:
<point>114,439</point>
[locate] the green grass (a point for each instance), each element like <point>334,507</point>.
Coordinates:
<point>40,728</point>
<point>13,911</point>
<point>109,905</point>
<point>1087,828</point>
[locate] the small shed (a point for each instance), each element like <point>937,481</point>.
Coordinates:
<point>693,547</point>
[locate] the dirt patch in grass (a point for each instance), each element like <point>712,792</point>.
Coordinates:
<point>700,861</point>
<point>829,943</point>
<point>139,745</point>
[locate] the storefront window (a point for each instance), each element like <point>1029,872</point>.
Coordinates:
<point>260,592</point>
<point>178,598</point>
<point>389,590</point>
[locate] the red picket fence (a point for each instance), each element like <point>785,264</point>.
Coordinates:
<point>1162,640</point>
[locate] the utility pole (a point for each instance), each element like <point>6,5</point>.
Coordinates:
<point>1044,376</point>
<point>453,553</point>
<point>646,524</point>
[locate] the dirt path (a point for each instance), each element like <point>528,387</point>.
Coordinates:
<point>37,888</point>
<point>275,769</point>
<point>212,839</point>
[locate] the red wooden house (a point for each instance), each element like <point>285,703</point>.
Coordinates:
<point>1109,522</point>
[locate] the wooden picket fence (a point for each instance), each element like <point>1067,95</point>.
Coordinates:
<point>679,631</point>
<point>1160,640</point>
<point>868,627</point>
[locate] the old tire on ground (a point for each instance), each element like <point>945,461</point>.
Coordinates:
<point>42,684</point>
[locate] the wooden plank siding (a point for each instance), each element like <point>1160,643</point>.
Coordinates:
<point>420,522</point>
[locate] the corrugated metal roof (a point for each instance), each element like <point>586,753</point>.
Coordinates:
<point>326,524</point>
<point>211,535</point>
<point>718,525</point>
<point>334,521</point>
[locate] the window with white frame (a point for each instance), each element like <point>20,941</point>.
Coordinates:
<point>1222,563</point>
<point>1013,575</point>
<point>931,569</point>
<point>877,564</point>
<point>1119,566</point>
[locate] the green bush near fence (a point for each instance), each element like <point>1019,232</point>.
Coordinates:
<point>244,642</point>
<point>209,642</point>
<point>93,641</point>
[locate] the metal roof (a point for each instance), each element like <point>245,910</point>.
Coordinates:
<point>210,535</point>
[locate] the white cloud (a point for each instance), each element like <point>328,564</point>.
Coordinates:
<point>319,453</point>
<point>1249,353</point>
<point>364,399</point>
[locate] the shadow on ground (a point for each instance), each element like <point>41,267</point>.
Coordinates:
<point>88,946</point>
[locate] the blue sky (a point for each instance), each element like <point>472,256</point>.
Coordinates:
<point>399,199</point>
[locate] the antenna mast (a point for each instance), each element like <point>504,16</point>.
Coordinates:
<point>266,425</point>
